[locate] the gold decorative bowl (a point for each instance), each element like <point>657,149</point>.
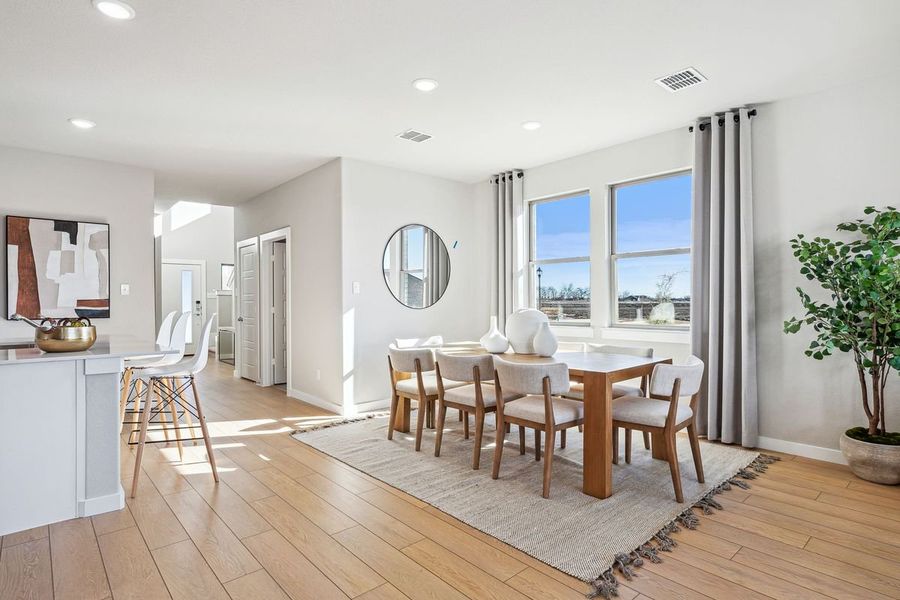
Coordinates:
<point>66,338</point>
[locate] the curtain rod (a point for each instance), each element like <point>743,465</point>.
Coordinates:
<point>737,118</point>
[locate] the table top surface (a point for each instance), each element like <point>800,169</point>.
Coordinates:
<point>585,362</point>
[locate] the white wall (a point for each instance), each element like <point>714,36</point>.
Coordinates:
<point>818,161</point>
<point>376,202</point>
<point>595,172</point>
<point>311,206</point>
<point>209,238</point>
<point>38,184</point>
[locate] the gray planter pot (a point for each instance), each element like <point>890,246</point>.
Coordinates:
<point>878,463</point>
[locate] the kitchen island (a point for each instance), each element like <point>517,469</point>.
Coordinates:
<point>59,430</point>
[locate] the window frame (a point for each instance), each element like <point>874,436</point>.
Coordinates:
<point>615,256</point>
<point>534,263</point>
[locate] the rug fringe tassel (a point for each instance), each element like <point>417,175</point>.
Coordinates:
<point>607,585</point>
<point>339,422</point>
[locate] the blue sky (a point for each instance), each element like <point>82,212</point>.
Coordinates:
<point>650,215</point>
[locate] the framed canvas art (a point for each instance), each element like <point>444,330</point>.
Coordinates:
<point>56,268</point>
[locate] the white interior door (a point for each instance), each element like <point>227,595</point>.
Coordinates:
<point>279,312</point>
<point>182,291</point>
<point>248,306</point>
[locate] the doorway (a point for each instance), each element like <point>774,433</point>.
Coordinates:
<point>279,312</point>
<point>183,285</point>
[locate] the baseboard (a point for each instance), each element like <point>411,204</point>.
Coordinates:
<point>314,400</point>
<point>807,451</point>
<point>102,504</point>
<point>373,406</point>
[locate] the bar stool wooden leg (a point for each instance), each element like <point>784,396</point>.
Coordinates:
<point>138,392</point>
<point>206,440</point>
<point>145,423</point>
<point>123,399</point>
<point>173,410</point>
<point>161,408</point>
<point>187,414</point>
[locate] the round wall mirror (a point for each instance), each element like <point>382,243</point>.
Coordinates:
<point>416,266</point>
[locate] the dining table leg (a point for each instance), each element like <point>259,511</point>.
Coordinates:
<point>404,410</point>
<point>597,435</point>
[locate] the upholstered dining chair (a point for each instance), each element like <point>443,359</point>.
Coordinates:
<point>661,412</point>
<point>413,378</point>
<point>477,395</point>
<point>541,408</point>
<point>618,389</point>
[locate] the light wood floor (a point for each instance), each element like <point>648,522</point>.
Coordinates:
<point>289,522</point>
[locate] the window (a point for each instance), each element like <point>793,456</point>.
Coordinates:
<point>651,251</point>
<point>560,258</point>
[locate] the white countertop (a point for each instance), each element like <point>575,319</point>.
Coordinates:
<point>106,346</point>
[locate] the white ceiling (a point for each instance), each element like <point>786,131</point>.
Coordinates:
<point>227,98</point>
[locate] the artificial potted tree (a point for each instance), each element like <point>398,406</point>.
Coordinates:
<point>862,277</point>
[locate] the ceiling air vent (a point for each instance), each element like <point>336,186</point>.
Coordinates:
<point>413,135</point>
<point>684,78</point>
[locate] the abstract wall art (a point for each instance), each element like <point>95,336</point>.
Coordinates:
<point>56,268</point>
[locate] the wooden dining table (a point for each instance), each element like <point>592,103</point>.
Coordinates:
<point>598,372</point>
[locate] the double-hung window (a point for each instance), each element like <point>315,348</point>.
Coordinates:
<point>560,260</point>
<point>651,251</point>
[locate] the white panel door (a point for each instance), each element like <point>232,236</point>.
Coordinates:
<point>182,291</point>
<point>248,307</point>
<point>279,312</point>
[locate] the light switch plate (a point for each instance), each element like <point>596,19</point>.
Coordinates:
<point>124,289</point>
<point>356,287</point>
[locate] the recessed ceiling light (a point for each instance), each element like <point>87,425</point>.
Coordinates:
<point>531,125</point>
<point>425,85</point>
<point>82,123</point>
<point>114,9</point>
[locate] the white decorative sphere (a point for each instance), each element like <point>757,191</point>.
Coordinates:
<point>521,327</point>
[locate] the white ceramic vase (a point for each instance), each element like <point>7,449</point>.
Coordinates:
<point>494,341</point>
<point>521,327</point>
<point>545,342</point>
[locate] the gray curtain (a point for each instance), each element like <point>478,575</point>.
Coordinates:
<point>508,198</point>
<point>723,317</point>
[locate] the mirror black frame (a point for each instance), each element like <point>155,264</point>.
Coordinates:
<point>388,285</point>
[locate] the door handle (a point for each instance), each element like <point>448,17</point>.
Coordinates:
<point>240,319</point>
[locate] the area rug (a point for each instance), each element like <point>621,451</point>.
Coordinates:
<point>575,533</point>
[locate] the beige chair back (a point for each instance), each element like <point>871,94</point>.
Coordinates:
<point>662,382</point>
<point>630,350</point>
<point>460,367</point>
<point>525,378</point>
<point>404,359</point>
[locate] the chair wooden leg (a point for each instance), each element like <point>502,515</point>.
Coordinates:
<point>562,439</point>
<point>537,444</point>
<point>550,442</point>
<point>498,447</point>
<point>627,446</point>
<point>145,423</point>
<point>123,398</point>
<point>673,465</point>
<point>161,408</point>
<point>187,414</point>
<point>439,430</point>
<point>138,412</point>
<point>508,427</point>
<point>460,415</point>
<point>646,440</point>
<point>695,450</point>
<point>173,409</point>
<point>479,433</point>
<point>615,445</point>
<point>522,440</point>
<point>465,425</point>
<point>581,429</point>
<point>429,414</point>
<point>420,423</point>
<point>392,423</point>
<point>203,428</point>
